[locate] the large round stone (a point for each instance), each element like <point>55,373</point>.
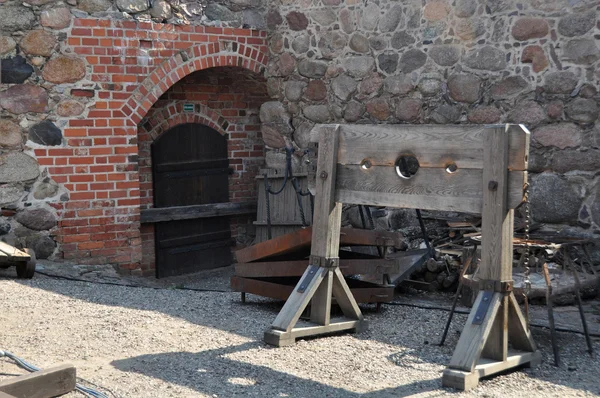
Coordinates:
<point>485,115</point>
<point>343,87</point>
<point>409,109</point>
<point>536,56</point>
<point>370,85</point>
<point>561,82</point>
<point>562,135</point>
<point>581,51</point>
<point>42,245</point>
<point>530,28</point>
<point>56,18</point>
<point>10,134</point>
<point>93,6</point>
<point>577,23</point>
<point>401,40</point>
<point>430,84</point>
<point>317,113</point>
<point>274,112</point>
<point>465,8</point>
<point>302,129</point>
<point>370,16</point>
<point>445,114</point>
<point>486,58</point>
<point>390,20</point>
<point>529,113</point>
<point>39,218</point>
<point>508,87</point>
<point>436,10</point>
<point>9,194</point>
<point>332,44</point>
<point>323,16</point>
<point>359,43</point>
<point>567,160</point>
<point>312,69</point>
<point>45,189</point>
<point>354,111</point>
<point>398,85</point>
<point>347,20</point>
<point>15,17</point>
<point>583,110</point>
<point>69,107</point>
<point>553,199</point>
<point>45,133</point>
<point>24,98</point>
<point>63,69</point>
<point>470,29</point>
<point>379,108</point>
<point>161,10</point>
<point>15,70</point>
<point>18,167</point>
<point>218,12</point>
<point>445,55</point>
<point>294,90</point>
<point>274,135</point>
<point>7,44</point>
<point>412,60</point>
<point>358,66</point>
<point>132,6</point>
<point>464,88</point>
<point>316,91</point>
<point>38,42</point>
<point>296,20</point>
<point>388,63</point>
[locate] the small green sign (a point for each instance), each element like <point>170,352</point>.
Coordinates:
<point>188,107</point>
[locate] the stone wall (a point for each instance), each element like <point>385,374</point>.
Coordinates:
<point>77,77</point>
<point>449,62</point>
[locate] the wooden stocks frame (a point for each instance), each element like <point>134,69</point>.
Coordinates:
<point>474,169</point>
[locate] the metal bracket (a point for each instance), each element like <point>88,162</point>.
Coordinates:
<point>484,305</point>
<point>324,262</point>
<point>497,286</point>
<point>312,271</point>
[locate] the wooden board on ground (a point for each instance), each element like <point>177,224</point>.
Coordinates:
<point>301,239</point>
<point>45,383</point>
<point>407,262</point>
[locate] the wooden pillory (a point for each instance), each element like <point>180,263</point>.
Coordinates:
<point>470,169</point>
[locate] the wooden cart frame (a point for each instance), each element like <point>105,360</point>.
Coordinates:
<point>475,169</point>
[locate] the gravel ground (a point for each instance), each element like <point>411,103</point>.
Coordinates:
<point>148,342</point>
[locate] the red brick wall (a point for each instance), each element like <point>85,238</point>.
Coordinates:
<point>129,67</point>
<point>226,99</point>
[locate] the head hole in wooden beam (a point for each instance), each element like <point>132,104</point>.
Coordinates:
<point>365,164</point>
<point>407,166</point>
<point>451,168</point>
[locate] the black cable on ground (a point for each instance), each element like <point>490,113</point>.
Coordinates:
<point>465,312</point>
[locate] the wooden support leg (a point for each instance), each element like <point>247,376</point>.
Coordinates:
<point>322,279</point>
<point>482,349</point>
<point>44,383</point>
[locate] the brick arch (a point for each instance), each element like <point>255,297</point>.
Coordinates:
<point>159,122</point>
<point>198,57</point>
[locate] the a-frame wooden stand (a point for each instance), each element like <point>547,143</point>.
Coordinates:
<point>323,279</point>
<point>495,320</point>
<point>462,168</point>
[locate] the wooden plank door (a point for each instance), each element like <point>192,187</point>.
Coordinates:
<point>190,167</point>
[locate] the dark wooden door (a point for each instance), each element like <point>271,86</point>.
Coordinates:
<point>190,167</point>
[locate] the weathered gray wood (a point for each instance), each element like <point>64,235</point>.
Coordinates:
<point>196,211</point>
<point>496,346</point>
<point>12,253</point>
<point>297,302</point>
<point>473,337</point>
<point>344,297</point>
<point>488,367</point>
<point>496,219</point>
<point>430,189</point>
<point>434,146</point>
<point>282,339</point>
<point>45,383</point>
<point>5,395</point>
<point>519,334</point>
<point>320,307</point>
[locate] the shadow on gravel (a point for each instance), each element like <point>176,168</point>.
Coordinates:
<point>211,372</point>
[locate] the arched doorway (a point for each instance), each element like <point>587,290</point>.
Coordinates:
<point>190,167</point>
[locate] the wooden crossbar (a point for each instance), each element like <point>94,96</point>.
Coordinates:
<point>455,168</point>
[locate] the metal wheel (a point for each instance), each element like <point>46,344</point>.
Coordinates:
<point>26,269</point>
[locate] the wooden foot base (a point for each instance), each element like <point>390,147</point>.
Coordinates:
<point>462,380</point>
<point>280,338</point>
<point>44,383</point>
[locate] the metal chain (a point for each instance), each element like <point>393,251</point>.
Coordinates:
<point>526,280</point>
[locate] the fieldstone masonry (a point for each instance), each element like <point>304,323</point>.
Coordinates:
<point>453,61</point>
<point>85,85</point>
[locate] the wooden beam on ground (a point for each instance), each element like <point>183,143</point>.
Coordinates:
<point>301,239</point>
<point>46,383</point>
<point>196,211</point>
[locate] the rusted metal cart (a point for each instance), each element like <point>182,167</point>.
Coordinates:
<point>23,260</point>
